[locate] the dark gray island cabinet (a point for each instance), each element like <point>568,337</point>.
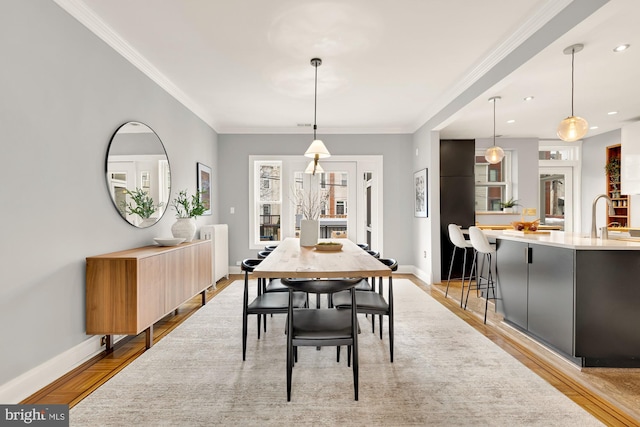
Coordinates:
<point>578,296</point>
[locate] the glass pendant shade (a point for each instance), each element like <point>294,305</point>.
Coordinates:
<point>572,128</point>
<point>317,150</point>
<point>494,154</point>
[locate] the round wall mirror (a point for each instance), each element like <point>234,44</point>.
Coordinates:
<point>138,174</point>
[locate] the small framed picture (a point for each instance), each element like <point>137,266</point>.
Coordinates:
<point>204,186</point>
<point>420,191</point>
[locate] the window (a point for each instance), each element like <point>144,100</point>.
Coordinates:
<point>493,182</point>
<point>268,201</point>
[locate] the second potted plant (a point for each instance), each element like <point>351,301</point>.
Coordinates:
<point>509,205</point>
<point>141,205</point>
<point>187,209</point>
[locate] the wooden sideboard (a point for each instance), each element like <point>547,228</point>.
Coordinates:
<point>128,291</point>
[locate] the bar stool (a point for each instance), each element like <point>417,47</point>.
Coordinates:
<point>459,242</point>
<point>483,248</point>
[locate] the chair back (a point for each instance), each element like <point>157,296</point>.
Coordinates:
<point>321,286</point>
<point>263,254</point>
<point>338,234</point>
<point>479,241</point>
<point>249,264</point>
<point>456,236</point>
<point>389,262</point>
<point>363,246</point>
<point>374,254</point>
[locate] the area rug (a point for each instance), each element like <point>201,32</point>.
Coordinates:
<point>444,373</point>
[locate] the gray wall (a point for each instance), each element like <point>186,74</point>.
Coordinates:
<point>64,93</point>
<point>593,179</point>
<point>397,186</point>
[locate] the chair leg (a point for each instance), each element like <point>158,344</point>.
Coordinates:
<point>244,316</point>
<point>453,256</point>
<point>473,266</point>
<point>464,266</point>
<point>354,332</point>
<point>259,318</point>
<point>490,285</point>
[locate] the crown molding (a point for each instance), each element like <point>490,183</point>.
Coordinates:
<point>80,11</point>
<point>535,22</point>
<point>306,131</point>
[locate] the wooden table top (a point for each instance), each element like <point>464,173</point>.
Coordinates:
<point>291,260</point>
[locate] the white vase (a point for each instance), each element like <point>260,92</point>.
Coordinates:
<point>309,232</point>
<point>185,228</point>
<point>507,210</point>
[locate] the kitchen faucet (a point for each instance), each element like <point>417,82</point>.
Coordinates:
<point>594,232</point>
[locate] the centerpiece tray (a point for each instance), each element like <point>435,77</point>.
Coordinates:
<point>329,247</point>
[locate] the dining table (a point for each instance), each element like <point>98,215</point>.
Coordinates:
<point>290,260</point>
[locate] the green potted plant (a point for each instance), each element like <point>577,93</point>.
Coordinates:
<point>187,209</point>
<point>612,169</point>
<point>509,205</point>
<point>141,204</point>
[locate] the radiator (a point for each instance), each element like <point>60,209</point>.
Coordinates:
<point>219,236</point>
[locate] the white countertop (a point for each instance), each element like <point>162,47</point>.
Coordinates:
<point>579,241</point>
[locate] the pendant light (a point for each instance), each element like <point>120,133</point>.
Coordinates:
<point>313,167</point>
<point>494,154</point>
<point>316,150</point>
<point>573,127</point>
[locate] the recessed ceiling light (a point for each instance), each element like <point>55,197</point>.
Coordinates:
<point>621,48</point>
<point>528,98</point>
<point>612,113</point>
<point>511,121</point>
<point>593,127</point>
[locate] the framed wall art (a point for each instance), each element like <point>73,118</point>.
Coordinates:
<point>420,192</point>
<point>204,186</point>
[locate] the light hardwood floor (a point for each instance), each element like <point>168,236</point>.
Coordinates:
<point>612,396</point>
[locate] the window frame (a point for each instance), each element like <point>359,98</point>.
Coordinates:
<point>507,179</point>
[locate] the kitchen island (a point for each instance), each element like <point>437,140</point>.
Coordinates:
<point>576,295</point>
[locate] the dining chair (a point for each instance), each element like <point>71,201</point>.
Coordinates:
<point>459,242</point>
<point>264,303</point>
<point>486,251</point>
<point>319,327</point>
<point>373,303</point>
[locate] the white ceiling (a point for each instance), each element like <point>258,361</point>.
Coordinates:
<point>388,66</point>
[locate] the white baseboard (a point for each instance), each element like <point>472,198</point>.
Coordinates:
<point>419,274</point>
<point>39,377</point>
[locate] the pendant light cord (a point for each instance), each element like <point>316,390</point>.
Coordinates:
<point>315,101</point>
<point>494,122</point>
<point>573,52</point>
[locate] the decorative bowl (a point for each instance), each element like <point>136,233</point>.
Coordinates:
<point>328,246</point>
<point>168,241</point>
<point>526,226</point>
